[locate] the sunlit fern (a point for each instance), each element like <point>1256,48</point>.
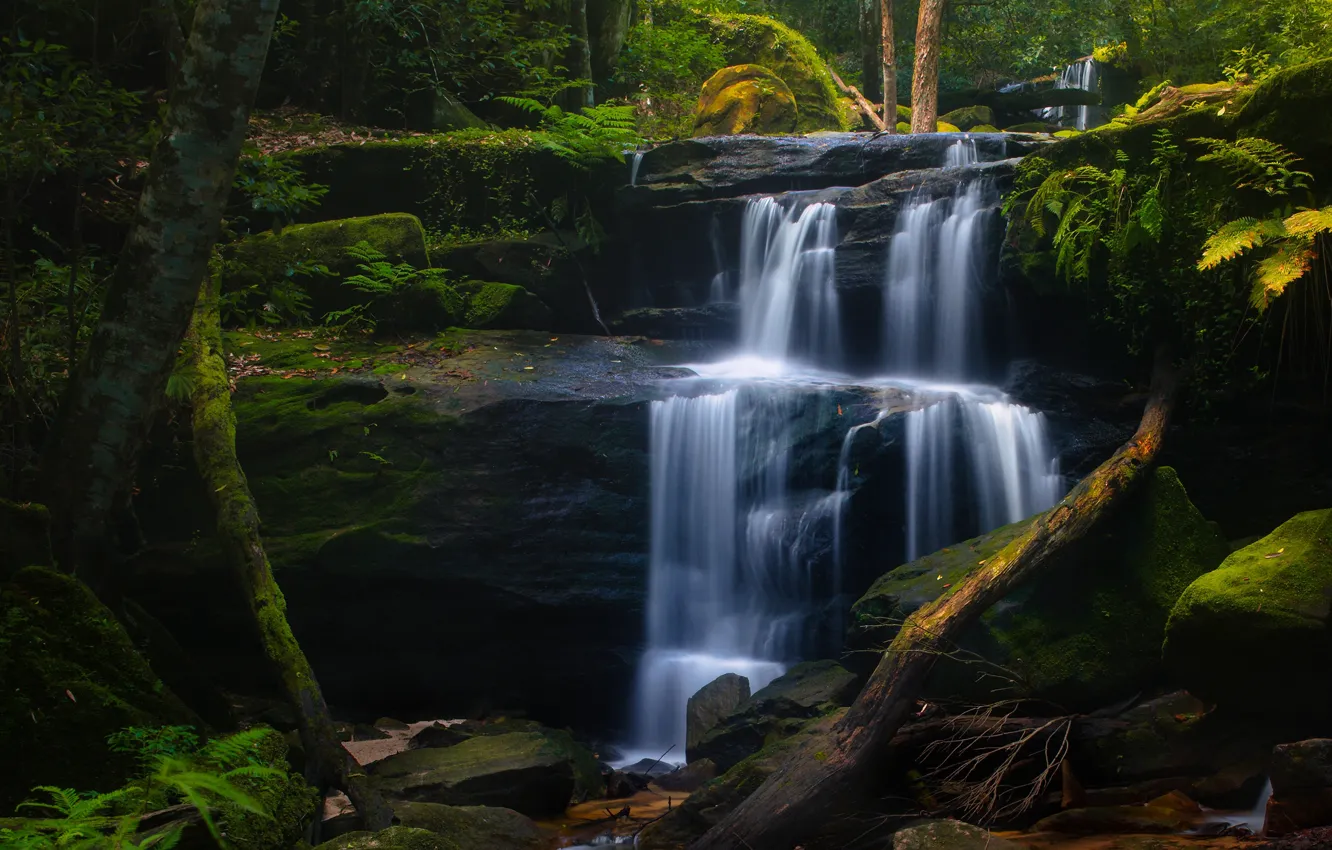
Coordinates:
<point>1293,242</point>
<point>583,138</point>
<point>1257,164</point>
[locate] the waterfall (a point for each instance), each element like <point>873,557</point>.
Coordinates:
<point>788,296</point>
<point>633,167</point>
<point>1009,469</point>
<point>738,572</point>
<point>933,284</point>
<point>1082,74</point>
<point>961,153</point>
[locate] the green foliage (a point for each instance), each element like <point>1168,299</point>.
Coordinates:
<point>665,61</point>
<point>377,278</point>
<point>586,137</point>
<point>1257,164</point>
<point>276,187</point>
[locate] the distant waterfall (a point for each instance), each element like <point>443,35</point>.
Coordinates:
<point>972,466</point>
<point>1082,74</point>
<point>933,284</point>
<point>788,294</point>
<point>735,583</point>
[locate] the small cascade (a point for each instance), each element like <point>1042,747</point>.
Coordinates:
<point>633,167</point>
<point>1082,74</point>
<point>974,464</point>
<point>961,153</point>
<point>717,292</point>
<point>788,293</point>
<point>739,572</point>
<point>933,284</point>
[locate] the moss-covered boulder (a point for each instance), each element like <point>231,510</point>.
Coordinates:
<point>781,709</point>
<point>502,306</point>
<point>949,835</point>
<point>25,537</point>
<point>786,53</point>
<point>944,127</point>
<point>704,808</point>
<point>288,801</point>
<point>257,264</point>
<point>473,827</point>
<point>1264,612</point>
<point>969,117</point>
<point>69,677</point>
<point>394,838</point>
<point>745,99</point>
<point>530,772</point>
<point>985,128</point>
<point>1089,630</point>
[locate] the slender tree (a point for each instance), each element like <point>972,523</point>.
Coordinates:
<point>869,48</point>
<point>925,76</point>
<point>89,463</point>
<point>889,65</point>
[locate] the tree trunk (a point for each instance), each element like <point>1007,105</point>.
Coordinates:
<point>869,49</point>
<point>830,768</point>
<point>925,76</point>
<point>92,452</point>
<point>580,49</point>
<point>866,108</point>
<point>328,764</point>
<point>889,65</point>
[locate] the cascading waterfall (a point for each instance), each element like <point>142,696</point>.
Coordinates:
<point>788,297</point>
<point>633,167</point>
<point>1084,75</point>
<point>961,153</point>
<point>1008,470</point>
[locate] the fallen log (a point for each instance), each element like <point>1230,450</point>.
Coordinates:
<point>1017,102</point>
<point>328,764</point>
<point>828,769</point>
<point>866,108</point>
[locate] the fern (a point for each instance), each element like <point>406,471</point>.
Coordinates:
<point>1257,164</point>
<point>1310,223</point>
<point>1288,263</point>
<point>1236,237</point>
<point>584,138</point>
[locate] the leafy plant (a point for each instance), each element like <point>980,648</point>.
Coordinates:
<point>277,187</point>
<point>584,138</point>
<point>1257,164</point>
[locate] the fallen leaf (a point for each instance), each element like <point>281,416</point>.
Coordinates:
<point>321,347</point>
<point>70,695</point>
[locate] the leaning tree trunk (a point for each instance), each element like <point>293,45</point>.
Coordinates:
<point>90,457</point>
<point>925,76</point>
<point>830,768</point>
<point>328,764</point>
<point>889,65</point>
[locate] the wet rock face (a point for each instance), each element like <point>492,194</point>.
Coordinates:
<point>713,701</point>
<point>1301,775</point>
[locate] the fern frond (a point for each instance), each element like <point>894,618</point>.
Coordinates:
<point>234,750</point>
<point>1287,264</point>
<point>364,252</point>
<point>1236,237</point>
<point>1257,163</point>
<point>1310,222</point>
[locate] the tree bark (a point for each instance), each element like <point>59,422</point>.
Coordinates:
<point>889,65</point>
<point>866,108</point>
<point>580,49</point>
<point>925,76</point>
<point>328,764</point>
<point>829,769</point>
<point>869,49</point>
<point>92,452</point>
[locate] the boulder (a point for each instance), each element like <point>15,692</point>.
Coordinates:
<point>503,306</point>
<point>393,838</point>
<point>689,777</point>
<point>523,771</point>
<point>1264,611</point>
<point>713,701</point>
<point>69,677</point>
<point>781,709</point>
<point>949,835</point>
<point>473,827</point>
<point>969,117</point>
<point>252,267</point>
<point>1080,637</point>
<point>438,735</point>
<point>1301,776</point>
<point>744,99</point>
<point>1169,813</point>
<point>788,55</point>
<point>707,322</point>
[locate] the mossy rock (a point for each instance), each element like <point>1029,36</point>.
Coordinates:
<point>1252,635</point>
<point>985,128</point>
<point>904,114</point>
<point>745,99</point>
<point>1028,127</point>
<point>903,127</point>
<point>502,306</point>
<point>268,259</point>
<point>945,127</point>
<point>430,304</point>
<point>949,835</point>
<point>530,772</point>
<point>290,802</point>
<point>473,827</point>
<point>718,797</point>
<point>69,677</point>
<point>779,710</point>
<point>1089,630</point>
<point>789,55</point>
<point>25,537</point>
<point>394,838</point>
<point>969,117</point>
<point>1290,107</point>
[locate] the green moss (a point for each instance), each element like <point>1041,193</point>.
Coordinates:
<point>968,117</point>
<point>1290,107</point>
<point>1028,127</point>
<point>745,99</point>
<point>763,41</point>
<point>945,127</point>
<point>69,677</point>
<point>985,128</point>
<point>473,827</point>
<point>393,838</point>
<point>503,305</point>
<point>1264,612</point>
<point>1090,629</point>
<point>289,801</point>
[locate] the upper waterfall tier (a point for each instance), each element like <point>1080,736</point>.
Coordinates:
<point>729,166</point>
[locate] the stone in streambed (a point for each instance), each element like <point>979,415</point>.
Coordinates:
<point>777,711</point>
<point>1252,635</point>
<point>1168,813</point>
<point>949,835</point>
<point>393,838</point>
<point>1301,775</point>
<point>689,777</point>
<point>713,701</point>
<point>473,827</point>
